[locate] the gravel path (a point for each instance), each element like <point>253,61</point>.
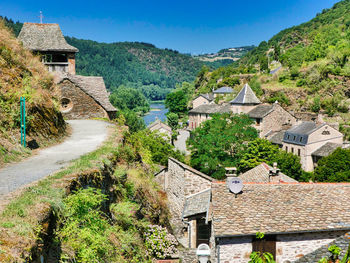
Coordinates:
<point>86,136</point>
<point>180,143</point>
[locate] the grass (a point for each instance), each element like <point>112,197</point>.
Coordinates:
<point>21,217</point>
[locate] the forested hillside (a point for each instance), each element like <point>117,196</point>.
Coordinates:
<point>143,66</point>
<point>312,67</point>
<point>155,71</point>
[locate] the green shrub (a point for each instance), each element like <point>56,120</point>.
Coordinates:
<point>301,82</point>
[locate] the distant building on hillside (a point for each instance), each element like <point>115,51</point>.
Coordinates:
<point>48,41</point>
<point>223,91</point>
<point>202,113</point>
<point>161,128</point>
<point>81,97</point>
<point>203,99</point>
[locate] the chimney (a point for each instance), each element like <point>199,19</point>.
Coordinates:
<point>274,173</point>
<point>230,172</point>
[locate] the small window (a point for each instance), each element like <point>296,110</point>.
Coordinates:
<point>258,121</point>
<point>288,137</point>
<point>294,137</point>
<point>298,152</point>
<point>292,150</point>
<point>301,139</point>
<point>286,148</point>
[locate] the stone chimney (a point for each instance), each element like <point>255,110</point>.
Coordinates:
<point>230,172</point>
<point>274,174</point>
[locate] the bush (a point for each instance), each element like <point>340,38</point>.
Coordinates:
<point>159,243</point>
<point>301,82</point>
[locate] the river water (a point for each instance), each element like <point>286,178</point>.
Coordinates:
<point>158,110</point>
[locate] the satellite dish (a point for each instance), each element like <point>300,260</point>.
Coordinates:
<point>235,184</point>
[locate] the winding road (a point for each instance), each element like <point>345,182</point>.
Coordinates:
<point>87,136</point>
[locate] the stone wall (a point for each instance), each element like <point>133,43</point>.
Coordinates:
<point>71,63</point>
<point>276,120</point>
<point>79,104</point>
<point>342,242</point>
<point>292,247</point>
<point>300,248</point>
<point>180,181</point>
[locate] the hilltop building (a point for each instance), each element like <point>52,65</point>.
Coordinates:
<point>299,220</point>
<point>48,41</point>
<point>81,97</point>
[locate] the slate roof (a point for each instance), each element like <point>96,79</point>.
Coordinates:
<point>260,174</point>
<point>156,125</point>
<point>197,203</point>
<point>93,86</point>
<point>223,90</point>
<point>260,111</point>
<point>299,134</point>
<point>280,208</point>
<point>326,149</point>
<point>211,108</point>
<point>208,96</point>
<point>44,37</point>
<point>246,96</point>
<point>189,168</point>
<point>277,138</point>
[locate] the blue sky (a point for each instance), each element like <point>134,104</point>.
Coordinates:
<point>190,26</point>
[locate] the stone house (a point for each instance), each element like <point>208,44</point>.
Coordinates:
<point>296,218</point>
<point>84,97</point>
<point>81,97</point>
<point>245,101</point>
<point>48,41</point>
<point>311,141</point>
<point>182,184</point>
<point>203,99</point>
<point>202,113</point>
<point>271,118</point>
<point>161,128</point>
<point>223,91</point>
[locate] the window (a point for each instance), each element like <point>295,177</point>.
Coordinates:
<point>286,148</point>
<point>266,244</point>
<point>203,232</point>
<point>294,137</point>
<point>301,139</point>
<point>292,150</point>
<point>288,137</point>
<point>298,152</point>
<point>258,121</point>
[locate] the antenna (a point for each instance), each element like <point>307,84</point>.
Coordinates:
<point>41,17</point>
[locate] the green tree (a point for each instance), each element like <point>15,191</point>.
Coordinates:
<point>128,98</point>
<point>220,142</point>
<point>133,121</point>
<point>261,150</point>
<point>173,121</point>
<point>277,51</point>
<point>264,63</point>
<point>176,102</point>
<point>334,168</point>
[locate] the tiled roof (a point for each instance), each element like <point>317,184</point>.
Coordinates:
<point>299,134</point>
<point>156,125</point>
<point>280,208</point>
<point>277,138</point>
<point>93,86</point>
<point>197,203</point>
<point>326,149</point>
<point>189,168</point>
<point>208,96</point>
<point>260,174</point>
<point>211,108</point>
<point>223,90</point>
<point>246,96</point>
<point>44,37</point>
<point>260,111</point>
